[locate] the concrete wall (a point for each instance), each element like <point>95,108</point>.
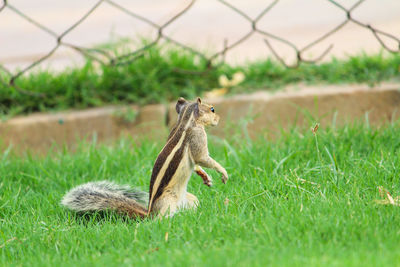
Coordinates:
<point>266,113</point>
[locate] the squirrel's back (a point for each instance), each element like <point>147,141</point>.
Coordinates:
<point>103,195</point>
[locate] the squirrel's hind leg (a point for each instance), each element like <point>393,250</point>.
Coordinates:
<point>192,201</point>
<point>166,206</point>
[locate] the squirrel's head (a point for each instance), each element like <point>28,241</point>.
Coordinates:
<point>204,113</point>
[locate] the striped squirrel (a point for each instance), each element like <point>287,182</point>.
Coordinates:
<point>186,151</point>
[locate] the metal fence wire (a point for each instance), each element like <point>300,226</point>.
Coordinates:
<point>105,57</point>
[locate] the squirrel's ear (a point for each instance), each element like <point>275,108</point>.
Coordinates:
<point>180,104</point>
<point>198,100</point>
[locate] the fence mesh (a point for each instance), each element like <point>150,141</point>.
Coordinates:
<point>104,56</point>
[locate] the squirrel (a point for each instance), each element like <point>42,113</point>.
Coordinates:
<point>186,151</point>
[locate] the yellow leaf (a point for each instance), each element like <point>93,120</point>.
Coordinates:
<point>237,78</point>
<point>216,93</point>
<point>226,202</point>
<point>389,200</point>
<point>223,81</point>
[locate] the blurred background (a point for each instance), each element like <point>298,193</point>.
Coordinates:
<point>29,29</point>
<point>129,59</point>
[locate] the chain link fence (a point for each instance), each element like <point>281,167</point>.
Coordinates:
<point>105,56</point>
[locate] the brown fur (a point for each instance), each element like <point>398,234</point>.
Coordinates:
<point>204,176</point>
<point>189,134</point>
<point>186,150</point>
<point>130,207</point>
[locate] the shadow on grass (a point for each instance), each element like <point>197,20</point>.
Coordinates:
<point>102,217</point>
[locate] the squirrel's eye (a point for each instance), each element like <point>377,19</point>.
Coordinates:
<point>212,109</point>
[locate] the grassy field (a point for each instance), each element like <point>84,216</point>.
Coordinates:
<point>301,200</point>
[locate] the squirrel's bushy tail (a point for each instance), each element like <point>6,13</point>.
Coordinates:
<point>98,196</point>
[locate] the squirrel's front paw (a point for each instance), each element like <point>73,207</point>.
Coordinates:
<point>208,182</point>
<point>224,177</point>
<point>206,178</point>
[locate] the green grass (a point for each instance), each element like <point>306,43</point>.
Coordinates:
<point>273,217</point>
<point>161,74</point>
